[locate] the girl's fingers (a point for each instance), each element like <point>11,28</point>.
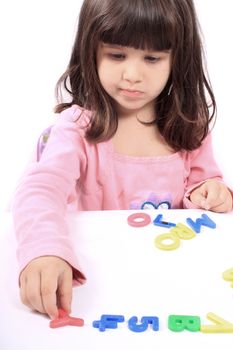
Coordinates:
<point>219,198</point>
<point>213,201</point>
<point>223,207</point>
<point>48,290</point>
<point>23,295</point>
<point>198,198</point>
<point>212,195</point>
<point>30,292</point>
<point>45,284</point>
<point>65,290</point>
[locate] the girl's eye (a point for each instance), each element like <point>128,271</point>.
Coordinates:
<point>151,59</point>
<point>117,56</point>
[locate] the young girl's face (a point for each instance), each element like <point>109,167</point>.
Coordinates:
<point>133,78</point>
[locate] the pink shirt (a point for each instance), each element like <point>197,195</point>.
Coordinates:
<point>92,176</point>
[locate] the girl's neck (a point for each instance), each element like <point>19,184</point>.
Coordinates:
<point>145,114</point>
<point>133,138</point>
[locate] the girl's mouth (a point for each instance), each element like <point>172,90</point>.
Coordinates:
<point>131,93</point>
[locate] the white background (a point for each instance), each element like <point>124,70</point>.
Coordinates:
<point>128,275</point>
<point>35,44</point>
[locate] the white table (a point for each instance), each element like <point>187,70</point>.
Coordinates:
<point>127,275</point>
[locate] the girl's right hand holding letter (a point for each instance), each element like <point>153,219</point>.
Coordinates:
<point>46,285</point>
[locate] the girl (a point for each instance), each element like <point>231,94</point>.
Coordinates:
<point>134,134</point>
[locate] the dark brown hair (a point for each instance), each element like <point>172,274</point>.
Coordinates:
<point>186,106</point>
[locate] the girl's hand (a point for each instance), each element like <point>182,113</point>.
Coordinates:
<point>46,285</point>
<point>212,195</point>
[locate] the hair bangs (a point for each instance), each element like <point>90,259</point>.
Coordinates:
<point>134,24</point>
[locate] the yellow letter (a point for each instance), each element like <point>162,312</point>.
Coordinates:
<point>183,231</point>
<point>228,276</point>
<point>220,326</point>
<point>159,241</point>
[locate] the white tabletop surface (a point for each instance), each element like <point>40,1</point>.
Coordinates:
<point>127,275</point>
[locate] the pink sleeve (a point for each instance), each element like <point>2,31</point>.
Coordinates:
<point>201,166</point>
<point>40,202</point>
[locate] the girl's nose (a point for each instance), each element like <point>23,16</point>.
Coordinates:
<point>131,73</point>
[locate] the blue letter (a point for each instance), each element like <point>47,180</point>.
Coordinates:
<point>204,220</point>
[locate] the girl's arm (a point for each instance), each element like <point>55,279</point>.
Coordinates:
<point>40,202</point>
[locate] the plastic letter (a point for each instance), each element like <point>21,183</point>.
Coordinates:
<point>183,232</point>
<point>178,323</point>
<point>145,321</point>
<point>228,276</point>
<point>139,219</point>
<point>108,321</point>
<point>158,221</point>
<point>65,320</point>
<point>220,326</point>
<point>175,241</point>
<point>204,220</point>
